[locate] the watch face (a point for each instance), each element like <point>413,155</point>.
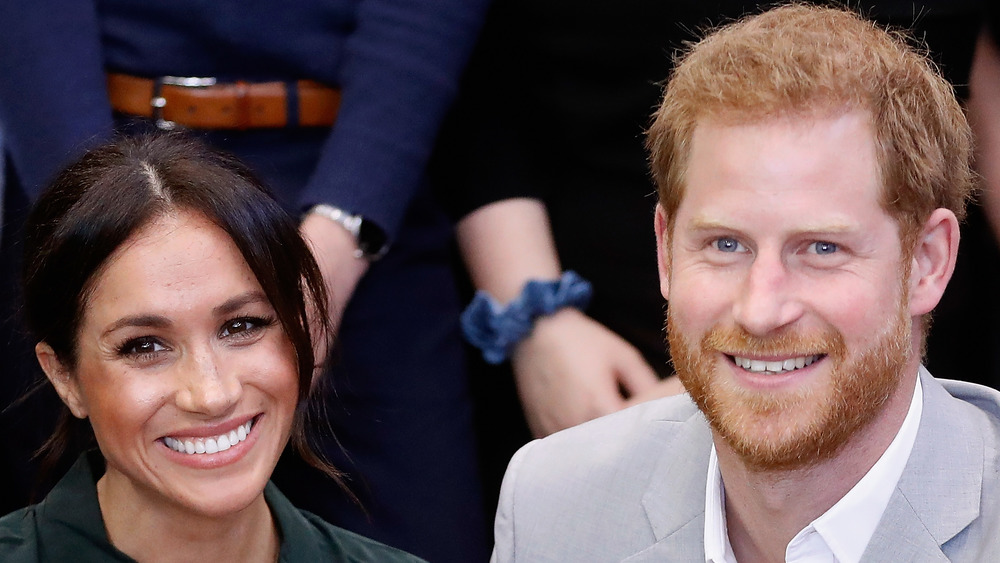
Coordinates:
<point>372,240</point>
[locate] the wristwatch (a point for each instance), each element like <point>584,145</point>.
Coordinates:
<point>371,239</point>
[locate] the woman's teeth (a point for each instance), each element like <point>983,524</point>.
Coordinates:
<point>213,445</point>
<point>777,367</point>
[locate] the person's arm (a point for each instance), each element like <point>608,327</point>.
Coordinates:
<point>53,100</point>
<point>401,71</point>
<point>984,116</point>
<point>333,247</point>
<point>570,368</point>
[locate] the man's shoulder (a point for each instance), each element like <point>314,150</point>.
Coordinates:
<point>970,408</point>
<point>642,417</point>
<point>982,398</point>
<point>609,474</point>
<point>948,499</point>
<point>626,438</point>
<point>963,415</point>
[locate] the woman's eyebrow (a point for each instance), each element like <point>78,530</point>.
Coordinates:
<point>142,320</point>
<point>234,303</point>
<point>159,321</point>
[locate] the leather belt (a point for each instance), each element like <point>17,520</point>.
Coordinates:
<point>201,103</point>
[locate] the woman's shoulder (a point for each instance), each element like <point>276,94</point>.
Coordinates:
<point>307,537</point>
<point>353,547</point>
<point>18,537</point>
<point>65,526</point>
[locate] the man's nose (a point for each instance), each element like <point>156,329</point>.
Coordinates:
<point>767,300</point>
<point>206,386</point>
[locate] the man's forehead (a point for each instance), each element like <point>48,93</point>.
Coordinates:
<point>802,119</point>
<point>824,167</point>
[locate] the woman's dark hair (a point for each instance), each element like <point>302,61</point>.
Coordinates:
<point>112,192</point>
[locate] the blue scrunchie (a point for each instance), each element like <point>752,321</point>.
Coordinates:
<point>496,329</point>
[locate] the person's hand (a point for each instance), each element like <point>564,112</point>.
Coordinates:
<point>664,388</point>
<point>333,247</point>
<point>571,369</point>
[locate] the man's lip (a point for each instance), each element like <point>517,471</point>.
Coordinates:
<point>774,364</point>
<point>773,357</point>
<point>210,431</point>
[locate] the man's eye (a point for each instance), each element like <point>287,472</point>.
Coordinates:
<point>141,347</point>
<point>821,247</point>
<point>728,244</point>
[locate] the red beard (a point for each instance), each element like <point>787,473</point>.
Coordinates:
<point>792,429</point>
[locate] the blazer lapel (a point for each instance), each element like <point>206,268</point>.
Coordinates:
<point>903,537</point>
<point>674,501</point>
<point>940,490</point>
<point>937,497</point>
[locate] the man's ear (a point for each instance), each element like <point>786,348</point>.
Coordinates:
<point>933,261</point>
<point>662,250</point>
<point>66,385</point>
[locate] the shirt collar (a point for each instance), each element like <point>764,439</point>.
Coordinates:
<point>843,531</point>
<point>717,547</point>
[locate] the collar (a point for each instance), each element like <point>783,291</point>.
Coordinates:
<point>717,546</point>
<point>70,525</point>
<point>841,533</point>
<point>70,521</point>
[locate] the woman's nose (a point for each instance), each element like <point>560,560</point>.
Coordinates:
<point>207,385</point>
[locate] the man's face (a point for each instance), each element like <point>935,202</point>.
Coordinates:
<point>788,320</point>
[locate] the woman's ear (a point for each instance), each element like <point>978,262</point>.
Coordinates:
<point>66,385</point>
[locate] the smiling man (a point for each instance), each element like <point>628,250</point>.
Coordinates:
<point>812,172</point>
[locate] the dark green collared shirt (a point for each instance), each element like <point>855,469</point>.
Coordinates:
<point>67,526</point>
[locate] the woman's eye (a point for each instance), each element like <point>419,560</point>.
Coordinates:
<point>822,247</point>
<point>244,327</point>
<point>143,346</point>
<point>728,244</point>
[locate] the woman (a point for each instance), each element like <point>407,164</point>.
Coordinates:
<point>169,295</point>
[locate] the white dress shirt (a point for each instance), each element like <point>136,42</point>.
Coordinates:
<point>839,535</point>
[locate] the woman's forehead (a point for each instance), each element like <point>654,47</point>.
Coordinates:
<point>179,261</point>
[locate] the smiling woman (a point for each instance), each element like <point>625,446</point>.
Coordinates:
<point>169,295</point>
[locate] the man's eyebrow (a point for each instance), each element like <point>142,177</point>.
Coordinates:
<point>235,303</point>
<point>706,223</point>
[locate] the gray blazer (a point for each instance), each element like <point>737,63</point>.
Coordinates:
<point>631,487</point>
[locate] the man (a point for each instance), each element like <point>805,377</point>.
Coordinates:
<point>812,171</point>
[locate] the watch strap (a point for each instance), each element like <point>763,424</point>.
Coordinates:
<point>370,239</point>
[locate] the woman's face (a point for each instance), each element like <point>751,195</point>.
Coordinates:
<point>187,377</point>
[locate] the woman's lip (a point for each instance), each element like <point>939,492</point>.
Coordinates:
<point>220,458</point>
<point>212,430</point>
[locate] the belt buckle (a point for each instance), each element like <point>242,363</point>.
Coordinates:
<point>158,102</point>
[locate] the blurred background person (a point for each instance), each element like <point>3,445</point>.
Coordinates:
<point>169,295</point>
<point>333,104</point>
<point>543,158</point>
<point>984,115</point>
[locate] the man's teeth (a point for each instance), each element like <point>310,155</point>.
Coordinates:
<point>213,445</point>
<point>781,366</point>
